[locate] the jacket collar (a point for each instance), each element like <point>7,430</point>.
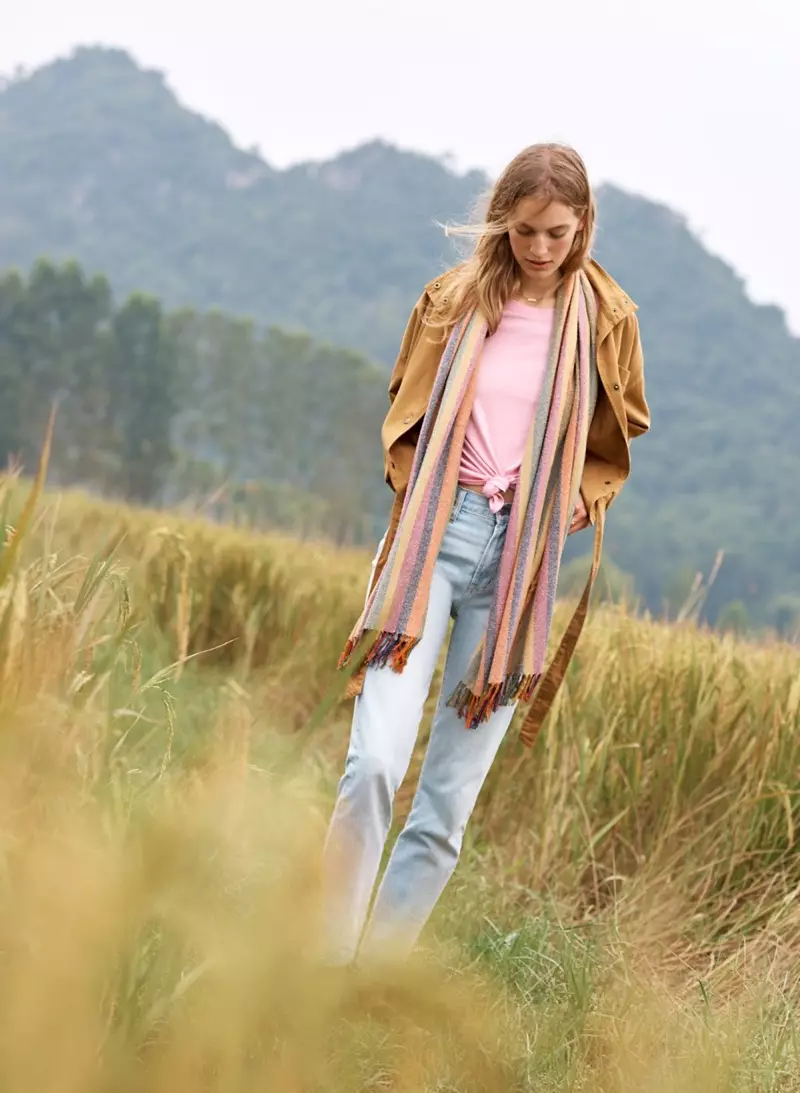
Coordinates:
<point>613,304</point>
<point>437,290</point>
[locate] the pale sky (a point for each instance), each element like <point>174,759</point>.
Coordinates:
<point>692,102</point>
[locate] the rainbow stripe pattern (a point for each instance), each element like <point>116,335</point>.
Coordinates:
<point>510,659</point>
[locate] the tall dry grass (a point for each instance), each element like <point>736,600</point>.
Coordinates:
<point>625,915</point>
<point>667,782</point>
<point>671,753</point>
<point>158,912</point>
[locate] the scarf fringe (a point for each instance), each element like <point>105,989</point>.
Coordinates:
<point>475,709</point>
<point>393,651</point>
<point>387,649</point>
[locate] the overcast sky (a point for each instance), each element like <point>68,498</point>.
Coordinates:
<point>692,102</point>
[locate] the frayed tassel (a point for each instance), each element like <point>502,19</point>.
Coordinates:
<point>391,649</point>
<point>381,649</point>
<point>401,652</point>
<point>532,682</point>
<point>475,709</point>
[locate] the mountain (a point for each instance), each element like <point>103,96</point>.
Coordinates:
<point>718,470</point>
<point>101,163</point>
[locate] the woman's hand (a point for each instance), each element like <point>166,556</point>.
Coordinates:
<point>580,519</point>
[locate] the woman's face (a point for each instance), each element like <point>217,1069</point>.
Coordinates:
<point>541,234</point>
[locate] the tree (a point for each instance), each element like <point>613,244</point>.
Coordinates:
<point>54,349</point>
<point>143,393</point>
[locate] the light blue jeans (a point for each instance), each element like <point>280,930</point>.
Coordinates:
<point>385,726</point>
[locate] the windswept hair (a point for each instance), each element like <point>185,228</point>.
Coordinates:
<point>487,279</point>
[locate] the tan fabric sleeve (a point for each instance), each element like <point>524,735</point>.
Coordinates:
<point>637,411</point>
<point>410,339</point>
<point>597,470</point>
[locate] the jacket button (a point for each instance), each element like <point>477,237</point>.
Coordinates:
<point>608,481</point>
<point>616,387</point>
<point>437,284</point>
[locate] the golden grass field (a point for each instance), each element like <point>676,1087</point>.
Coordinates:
<point>625,916</point>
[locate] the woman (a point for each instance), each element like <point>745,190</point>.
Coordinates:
<point>513,402</point>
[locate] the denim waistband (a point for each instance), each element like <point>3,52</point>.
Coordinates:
<point>475,504</point>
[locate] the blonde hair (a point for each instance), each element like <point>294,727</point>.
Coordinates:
<point>552,172</point>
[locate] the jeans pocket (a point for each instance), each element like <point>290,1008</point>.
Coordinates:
<point>458,504</point>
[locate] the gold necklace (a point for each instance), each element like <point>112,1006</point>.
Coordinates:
<point>538,299</point>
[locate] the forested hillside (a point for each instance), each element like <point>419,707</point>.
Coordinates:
<point>101,164</point>
<point>175,407</point>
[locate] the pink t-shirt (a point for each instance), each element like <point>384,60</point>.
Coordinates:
<point>511,372</point>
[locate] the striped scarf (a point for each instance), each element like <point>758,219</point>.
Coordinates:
<point>510,659</point>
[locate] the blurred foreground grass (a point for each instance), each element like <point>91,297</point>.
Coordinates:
<point>625,917</point>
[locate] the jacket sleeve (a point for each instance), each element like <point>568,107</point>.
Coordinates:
<point>637,411</point>
<point>410,338</point>
<point>599,472</point>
